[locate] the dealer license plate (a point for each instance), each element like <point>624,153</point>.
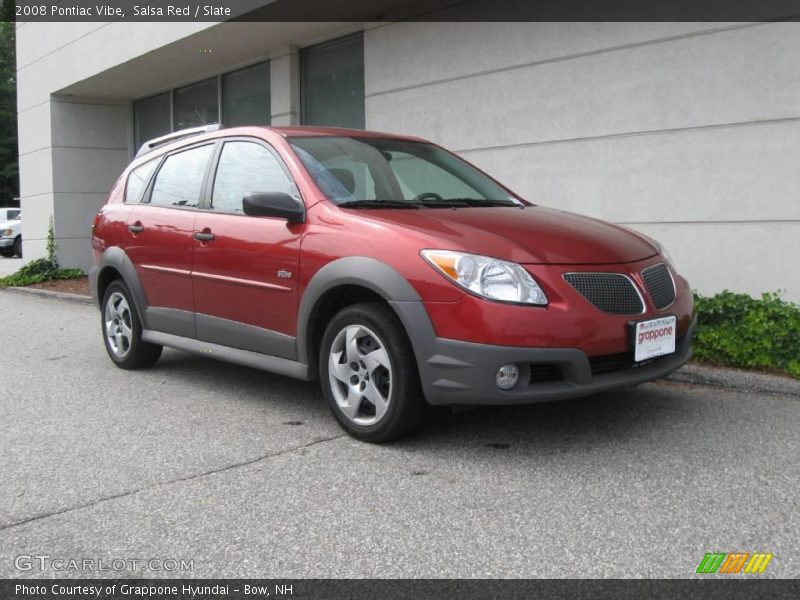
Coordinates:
<point>654,338</point>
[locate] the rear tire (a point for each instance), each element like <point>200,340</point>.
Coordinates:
<point>17,249</point>
<point>369,375</point>
<point>122,331</point>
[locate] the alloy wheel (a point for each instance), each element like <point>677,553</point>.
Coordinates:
<point>360,374</point>
<point>118,324</point>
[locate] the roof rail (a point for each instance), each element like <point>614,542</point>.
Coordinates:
<point>151,145</point>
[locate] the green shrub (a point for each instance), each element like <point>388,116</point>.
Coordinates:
<point>41,269</point>
<point>36,271</point>
<point>740,331</point>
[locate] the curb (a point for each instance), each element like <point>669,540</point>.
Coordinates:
<point>735,379</point>
<point>54,295</point>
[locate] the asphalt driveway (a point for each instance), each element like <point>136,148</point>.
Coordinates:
<point>246,474</point>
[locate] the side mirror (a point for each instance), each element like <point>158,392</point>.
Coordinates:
<point>274,204</point>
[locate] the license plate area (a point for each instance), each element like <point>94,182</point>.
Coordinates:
<point>654,337</point>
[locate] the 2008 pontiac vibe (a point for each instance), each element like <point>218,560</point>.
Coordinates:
<point>387,268</point>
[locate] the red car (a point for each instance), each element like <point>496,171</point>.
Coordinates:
<point>394,272</point>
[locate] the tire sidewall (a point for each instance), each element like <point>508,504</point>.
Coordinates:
<point>357,315</point>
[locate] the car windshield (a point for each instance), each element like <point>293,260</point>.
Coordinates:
<point>371,172</point>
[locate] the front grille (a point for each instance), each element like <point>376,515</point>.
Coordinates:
<point>608,363</point>
<point>659,285</point>
<point>610,292</point>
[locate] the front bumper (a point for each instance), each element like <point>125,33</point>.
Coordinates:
<point>463,373</point>
<point>6,242</point>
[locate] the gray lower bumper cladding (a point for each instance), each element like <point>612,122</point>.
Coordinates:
<point>464,373</point>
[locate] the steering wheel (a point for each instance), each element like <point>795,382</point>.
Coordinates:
<point>426,196</point>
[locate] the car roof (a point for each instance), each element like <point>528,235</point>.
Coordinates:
<point>310,130</point>
<point>287,131</point>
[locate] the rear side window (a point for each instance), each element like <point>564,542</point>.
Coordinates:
<point>180,179</point>
<point>245,168</point>
<point>138,180</point>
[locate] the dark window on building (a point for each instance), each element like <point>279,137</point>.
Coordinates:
<point>332,83</point>
<point>180,178</point>
<point>244,168</point>
<point>151,118</point>
<point>196,104</point>
<point>245,96</point>
<point>245,101</point>
<point>138,180</point>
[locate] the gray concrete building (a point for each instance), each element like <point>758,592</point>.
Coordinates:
<point>689,132</point>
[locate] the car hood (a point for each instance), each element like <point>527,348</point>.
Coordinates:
<point>12,223</point>
<point>531,235</point>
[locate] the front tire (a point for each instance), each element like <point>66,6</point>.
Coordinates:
<point>369,375</point>
<point>17,249</point>
<point>122,331</point>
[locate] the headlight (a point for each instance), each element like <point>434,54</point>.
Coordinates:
<point>487,277</point>
<point>8,232</point>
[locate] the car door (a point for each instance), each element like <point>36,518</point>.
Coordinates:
<point>160,244</point>
<point>245,267</point>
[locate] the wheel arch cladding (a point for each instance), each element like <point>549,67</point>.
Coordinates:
<point>368,273</point>
<point>115,260</point>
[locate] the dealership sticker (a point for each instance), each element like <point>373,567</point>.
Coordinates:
<point>655,338</point>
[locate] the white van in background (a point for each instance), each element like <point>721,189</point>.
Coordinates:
<point>11,232</point>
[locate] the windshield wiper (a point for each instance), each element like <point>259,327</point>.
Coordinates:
<point>449,202</point>
<point>428,203</point>
<point>378,204</point>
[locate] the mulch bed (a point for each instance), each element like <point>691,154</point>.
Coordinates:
<point>70,286</point>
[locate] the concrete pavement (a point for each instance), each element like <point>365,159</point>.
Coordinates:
<point>247,474</point>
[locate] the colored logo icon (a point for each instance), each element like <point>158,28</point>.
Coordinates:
<point>734,562</point>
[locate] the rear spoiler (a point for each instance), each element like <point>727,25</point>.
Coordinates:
<point>151,145</point>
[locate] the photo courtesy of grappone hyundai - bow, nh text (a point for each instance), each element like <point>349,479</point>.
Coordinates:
<point>395,273</point>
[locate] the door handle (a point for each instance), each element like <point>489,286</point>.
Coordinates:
<point>204,236</point>
<point>136,227</point>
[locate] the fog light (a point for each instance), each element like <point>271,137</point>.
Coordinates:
<point>507,376</point>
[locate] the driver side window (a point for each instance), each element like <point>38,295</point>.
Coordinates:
<point>245,168</point>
